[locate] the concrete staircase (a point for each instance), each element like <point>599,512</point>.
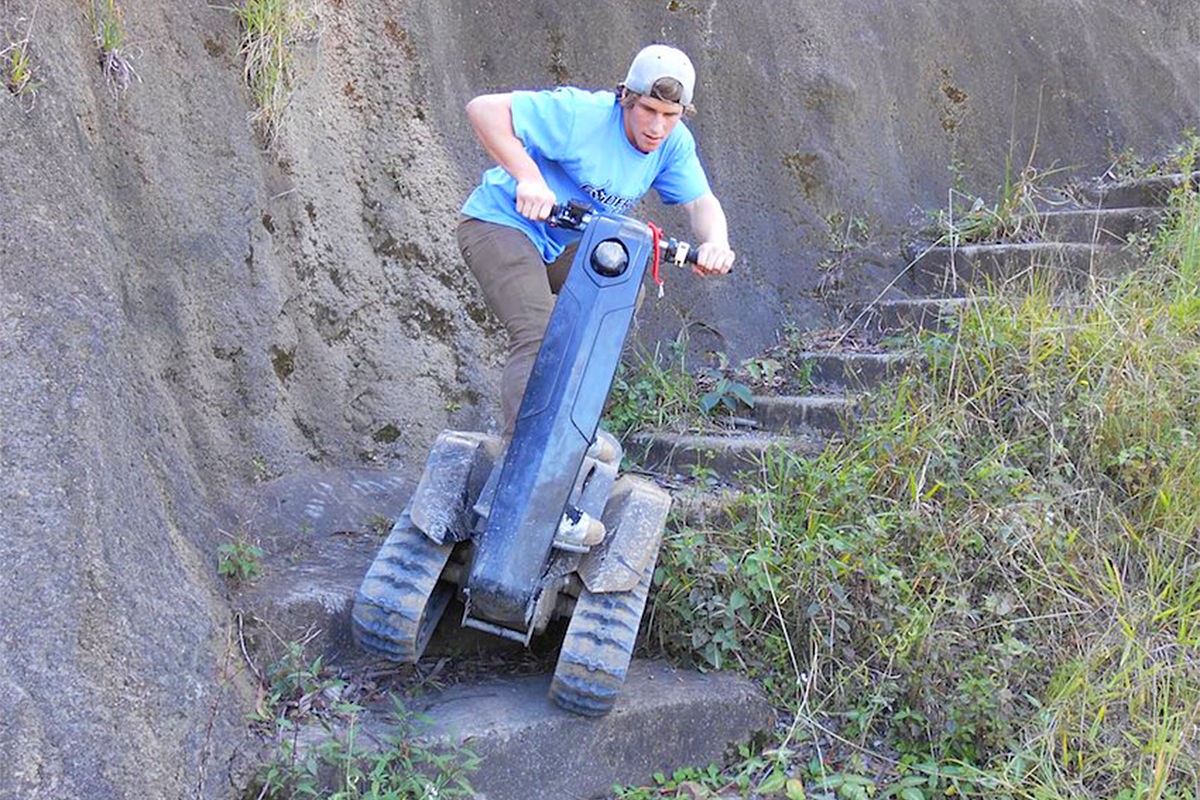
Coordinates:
<point>1082,235</point>
<point>321,532</point>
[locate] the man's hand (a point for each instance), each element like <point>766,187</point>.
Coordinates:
<point>713,258</point>
<point>534,198</point>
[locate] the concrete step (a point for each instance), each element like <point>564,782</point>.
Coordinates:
<point>307,599</point>
<point>1111,226</point>
<point>851,369</point>
<point>906,316</point>
<point>954,271</point>
<point>1152,191</point>
<point>829,414</point>
<point>664,719</point>
<point>724,454</point>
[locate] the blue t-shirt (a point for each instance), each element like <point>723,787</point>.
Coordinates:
<point>578,141</point>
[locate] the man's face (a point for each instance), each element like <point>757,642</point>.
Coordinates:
<point>648,122</point>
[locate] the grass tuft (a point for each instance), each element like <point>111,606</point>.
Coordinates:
<point>1013,216</point>
<point>271,29</point>
<point>19,68</point>
<point>653,390</point>
<point>116,58</point>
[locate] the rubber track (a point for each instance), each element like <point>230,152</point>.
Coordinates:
<point>597,648</point>
<point>400,599</point>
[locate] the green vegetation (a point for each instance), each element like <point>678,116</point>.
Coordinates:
<point>19,68</point>
<point>723,391</point>
<point>345,761</point>
<point>1129,165</point>
<point>239,560</point>
<point>108,27</point>
<point>660,390</point>
<point>970,219</point>
<point>1012,216</point>
<point>991,588</point>
<point>271,29</point>
<point>654,390</point>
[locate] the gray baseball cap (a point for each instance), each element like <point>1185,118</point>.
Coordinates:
<point>660,61</point>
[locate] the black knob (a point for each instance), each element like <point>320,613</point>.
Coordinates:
<point>610,258</point>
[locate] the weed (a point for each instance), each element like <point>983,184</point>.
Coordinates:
<point>691,782</point>
<point>702,474</point>
<point>271,29</point>
<point>653,390</point>
<point>722,390</point>
<point>393,765</point>
<point>19,67</point>
<point>116,60</point>
<point>1128,165</point>
<point>294,687</point>
<point>380,525</point>
<point>261,471</point>
<point>846,232</point>
<point>726,394</point>
<point>763,371</point>
<point>1013,216</point>
<point>239,560</point>
<point>349,762</point>
<point>658,390</point>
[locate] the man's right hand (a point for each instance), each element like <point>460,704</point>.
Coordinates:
<point>534,198</point>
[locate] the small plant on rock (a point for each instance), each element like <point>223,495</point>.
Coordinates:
<point>271,29</point>
<point>19,68</point>
<point>108,26</point>
<point>239,560</point>
<point>763,371</point>
<point>730,390</point>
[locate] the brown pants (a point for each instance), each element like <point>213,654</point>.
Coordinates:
<point>519,289</point>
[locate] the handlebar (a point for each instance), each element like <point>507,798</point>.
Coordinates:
<point>576,216</point>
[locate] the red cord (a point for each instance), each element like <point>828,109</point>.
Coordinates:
<point>656,234</point>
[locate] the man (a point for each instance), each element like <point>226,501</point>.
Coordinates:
<point>601,148</point>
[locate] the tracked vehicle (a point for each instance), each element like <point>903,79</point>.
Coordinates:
<point>544,526</point>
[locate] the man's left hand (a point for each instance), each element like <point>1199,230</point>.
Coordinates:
<point>713,258</point>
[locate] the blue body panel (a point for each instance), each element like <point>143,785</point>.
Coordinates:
<point>556,424</point>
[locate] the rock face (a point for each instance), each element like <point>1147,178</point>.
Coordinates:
<point>184,310</point>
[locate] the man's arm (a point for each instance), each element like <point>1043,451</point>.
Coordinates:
<point>707,218</point>
<point>491,117</point>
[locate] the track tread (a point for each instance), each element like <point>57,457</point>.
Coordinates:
<point>406,563</point>
<point>400,598</point>
<point>398,584</point>
<point>597,648</point>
